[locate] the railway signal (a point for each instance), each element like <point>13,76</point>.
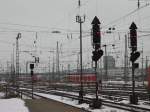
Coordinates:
<point>133,36</point>
<point>134,56</point>
<point>31,68</point>
<point>37,60</point>
<point>97,55</point>
<point>96,33</point>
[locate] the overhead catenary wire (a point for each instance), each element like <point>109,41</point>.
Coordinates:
<point>146,35</point>
<point>125,16</point>
<point>71,31</point>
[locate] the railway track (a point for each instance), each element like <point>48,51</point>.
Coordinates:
<point>108,94</point>
<point>111,95</point>
<point>127,107</point>
<point>143,95</point>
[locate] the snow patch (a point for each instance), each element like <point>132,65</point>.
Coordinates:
<point>74,103</point>
<point>12,105</point>
<point>2,94</point>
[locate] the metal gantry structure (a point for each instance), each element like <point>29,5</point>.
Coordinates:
<point>17,57</point>
<point>80,20</point>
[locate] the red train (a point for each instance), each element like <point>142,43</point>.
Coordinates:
<point>86,77</point>
<point>28,78</point>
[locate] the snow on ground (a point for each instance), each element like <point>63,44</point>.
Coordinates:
<point>75,103</point>
<point>2,94</point>
<point>141,104</point>
<point>125,101</point>
<point>12,105</point>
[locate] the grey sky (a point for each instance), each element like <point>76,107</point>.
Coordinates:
<point>60,15</point>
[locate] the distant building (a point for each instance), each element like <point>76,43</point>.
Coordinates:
<point>109,61</point>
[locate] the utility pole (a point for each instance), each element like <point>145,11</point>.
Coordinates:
<point>146,66</point>
<point>69,69</point>
<point>17,56</point>
<point>52,75</point>
<point>26,68</point>
<point>62,68</point>
<point>13,67</point>
<point>49,71</point>
<point>53,78</point>
<point>35,50</point>
<point>78,62</point>
<point>7,63</point>
<point>80,20</point>
<point>142,73</point>
<point>57,61</point>
<point>106,66</point>
<point>101,77</point>
<point>126,61</point>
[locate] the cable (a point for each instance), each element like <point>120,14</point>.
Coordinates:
<point>35,26</point>
<point>125,16</point>
<point>5,42</point>
<point>144,35</point>
<point>31,26</point>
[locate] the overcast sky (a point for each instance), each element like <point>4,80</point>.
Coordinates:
<point>45,16</point>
